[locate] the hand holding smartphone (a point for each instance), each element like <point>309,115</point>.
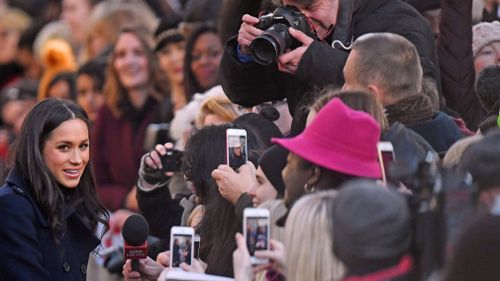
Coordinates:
<point>256,231</point>
<point>236,148</point>
<point>181,246</point>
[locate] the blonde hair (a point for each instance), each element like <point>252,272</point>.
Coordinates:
<point>308,240</point>
<point>357,100</point>
<point>217,105</point>
<point>14,19</point>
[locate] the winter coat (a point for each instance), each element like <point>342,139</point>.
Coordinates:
<point>456,62</point>
<point>27,247</point>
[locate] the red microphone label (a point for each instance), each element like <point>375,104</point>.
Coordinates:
<point>136,252</point>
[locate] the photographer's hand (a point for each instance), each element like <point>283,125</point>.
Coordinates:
<point>289,61</point>
<point>248,32</point>
<point>232,184</point>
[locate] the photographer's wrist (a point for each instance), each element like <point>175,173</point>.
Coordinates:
<point>243,54</point>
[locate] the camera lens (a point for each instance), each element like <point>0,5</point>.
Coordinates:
<point>267,47</point>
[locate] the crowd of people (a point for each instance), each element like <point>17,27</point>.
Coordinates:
<point>110,108</point>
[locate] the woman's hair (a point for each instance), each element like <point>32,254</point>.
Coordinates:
<point>115,93</point>
<point>191,85</point>
<point>108,17</point>
<point>46,116</point>
<point>217,105</point>
<point>307,231</point>
<point>94,69</point>
<point>205,151</point>
<point>356,100</point>
<point>68,77</point>
<point>328,179</point>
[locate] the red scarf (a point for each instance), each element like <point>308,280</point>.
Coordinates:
<point>403,267</point>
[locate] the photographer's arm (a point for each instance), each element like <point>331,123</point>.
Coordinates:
<point>250,84</point>
<point>322,65</point>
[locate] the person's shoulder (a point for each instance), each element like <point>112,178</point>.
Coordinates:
<point>15,204</point>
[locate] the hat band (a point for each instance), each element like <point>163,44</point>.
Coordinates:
<point>167,33</point>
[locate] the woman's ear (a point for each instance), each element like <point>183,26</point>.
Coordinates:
<point>316,175</point>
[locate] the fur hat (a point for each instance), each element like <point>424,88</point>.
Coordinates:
<point>57,56</point>
<point>483,34</point>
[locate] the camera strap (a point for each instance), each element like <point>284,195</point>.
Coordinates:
<point>342,38</point>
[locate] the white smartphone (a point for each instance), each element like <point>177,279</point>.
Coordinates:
<point>256,231</point>
<point>181,245</point>
<point>385,157</point>
<point>236,148</point>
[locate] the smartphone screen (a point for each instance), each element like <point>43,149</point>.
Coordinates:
<point>256,231</point>
<point>181,249</point>
<point>386,157</point>
<point>236,148</point>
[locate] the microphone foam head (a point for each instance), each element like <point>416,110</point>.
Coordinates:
<point>135,230</point>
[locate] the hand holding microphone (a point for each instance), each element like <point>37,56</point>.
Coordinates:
<point>138,266</point>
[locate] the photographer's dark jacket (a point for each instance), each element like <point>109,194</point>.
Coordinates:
<point>249,84</point>
<point>27,247</point>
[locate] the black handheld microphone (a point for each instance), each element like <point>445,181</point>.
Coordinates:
<point>135,232</point>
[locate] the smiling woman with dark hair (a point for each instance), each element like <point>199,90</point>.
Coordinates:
<point>49,208</point>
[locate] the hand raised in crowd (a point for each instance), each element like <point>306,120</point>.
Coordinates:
<point>248,32</point>
<point>231,183</point>
<point>150,170</point>
<point>289,61</point>
<point>241,260</point>
<point>149,270</point>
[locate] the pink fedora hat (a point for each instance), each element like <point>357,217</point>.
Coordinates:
<point>340,139</point>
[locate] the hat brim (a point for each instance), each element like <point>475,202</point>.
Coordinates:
<point>330,157</point>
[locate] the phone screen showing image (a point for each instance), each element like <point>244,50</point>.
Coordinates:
<point>237,152</point>
<point>257,233</point>
<point>196,246</point>
<point>181,249</point>
<point>387,159</point>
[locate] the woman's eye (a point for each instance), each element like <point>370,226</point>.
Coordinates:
<point>84,146</point>
<point>63,147</point>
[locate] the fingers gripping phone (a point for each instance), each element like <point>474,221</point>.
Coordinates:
<point>181,246</point>
<point>386,157</point>
<point>236,148</point>
<point>256,231</point>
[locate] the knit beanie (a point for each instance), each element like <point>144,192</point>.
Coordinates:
<point>370,223</point>
<point>484,33</point>
<point>272,162</point>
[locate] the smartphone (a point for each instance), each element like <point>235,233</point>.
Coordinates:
<point>236,148</point>
<point>181,245</point>
<point>196,246</point>
<point>385,157</point>
<point>256,231</point>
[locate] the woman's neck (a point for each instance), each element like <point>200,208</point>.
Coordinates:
<point>137,97</point>
<point>178,96</point>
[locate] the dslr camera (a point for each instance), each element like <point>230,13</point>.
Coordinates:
<point>267,47</point>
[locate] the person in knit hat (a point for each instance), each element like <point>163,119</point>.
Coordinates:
<point>372,231</point>
<point>486,44</point>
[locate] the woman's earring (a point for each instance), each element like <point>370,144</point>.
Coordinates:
<point>308,188</point>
